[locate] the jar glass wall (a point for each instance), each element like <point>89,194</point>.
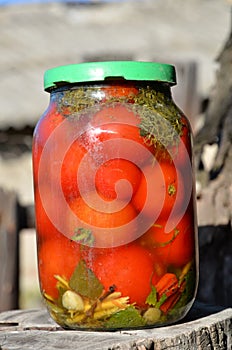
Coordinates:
<point>115,205</point>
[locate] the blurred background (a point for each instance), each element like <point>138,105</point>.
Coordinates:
<point>38,35</point>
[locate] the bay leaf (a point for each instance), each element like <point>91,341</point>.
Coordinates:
<point>84,282</point>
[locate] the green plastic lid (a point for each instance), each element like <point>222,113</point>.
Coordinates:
<point>100,71</point>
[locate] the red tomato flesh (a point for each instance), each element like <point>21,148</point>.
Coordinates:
<point>130,269</point>
<point>174,248</point>
<point>165,185</point>
<point>113,171</point>
<point>108,215</point>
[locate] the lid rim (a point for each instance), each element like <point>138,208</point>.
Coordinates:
<point>100,71</point>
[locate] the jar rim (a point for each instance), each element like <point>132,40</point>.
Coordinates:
<point>106,70</point>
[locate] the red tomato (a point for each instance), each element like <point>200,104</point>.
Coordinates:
<point>69,172</point>
<point>56,256</point>
<point>53,215</point>
<point>159,267</point>
<point>174,248</point>
<point>113,171</point>
<point>36,154</point>
<point>130,269</point>
<point>90,254</point>
<point>119,125</point>
<point>120,91</point>
<point>47,124</point>
<point>109,215</point>
<point>164,187</point>
<point>116,113</point>
<point>44,130</point>
<point>44,226</point>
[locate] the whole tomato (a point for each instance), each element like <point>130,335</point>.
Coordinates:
<point>69,172</point>
<point>115,132</point>
<point>163,179</point>
<point>129,268</point>
<point>108,223</point>
<point>52,143</point>
<point>56,256</point>
<point>174,248</point>
<point>111,172</point>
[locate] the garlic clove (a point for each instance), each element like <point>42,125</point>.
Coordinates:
<point>72,301</point>
<point>152,315</point>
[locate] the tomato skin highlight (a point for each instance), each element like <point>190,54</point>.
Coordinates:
<point>113,171</point>
<point>44,226</point>
<point>47,124</point>
<point>44,128</point>
<point>117,122</point>
<point>130,269</point>
<point>69,172</point>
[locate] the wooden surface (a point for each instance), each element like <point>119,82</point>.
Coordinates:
<point>204,328</point>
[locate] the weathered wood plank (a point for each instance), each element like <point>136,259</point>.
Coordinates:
<point>33,329</point>
<point>9,269</point>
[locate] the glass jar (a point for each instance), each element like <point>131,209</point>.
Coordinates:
<point>114,198</point>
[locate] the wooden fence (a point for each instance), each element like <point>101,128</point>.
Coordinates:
<point>13,218</point>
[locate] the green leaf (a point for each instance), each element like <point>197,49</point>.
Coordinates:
<point>152,297</point>
<point>126,318</point>
<point>161,300</point>
<point>84,282</point>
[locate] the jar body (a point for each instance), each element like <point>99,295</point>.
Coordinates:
<point>115,207</point>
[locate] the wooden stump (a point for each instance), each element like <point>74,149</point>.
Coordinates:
<point>33,329</point>
<point>213,151</point>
